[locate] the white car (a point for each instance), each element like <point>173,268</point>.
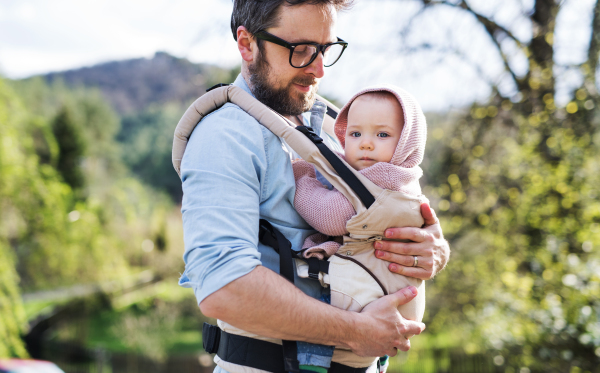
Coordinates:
<point>28,366</point>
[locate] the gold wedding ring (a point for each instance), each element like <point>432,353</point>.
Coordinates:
<point>416,261</point>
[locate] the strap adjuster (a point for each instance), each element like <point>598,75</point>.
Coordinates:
<point>310,133</point>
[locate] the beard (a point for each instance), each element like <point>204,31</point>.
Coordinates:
<point>285,100</point>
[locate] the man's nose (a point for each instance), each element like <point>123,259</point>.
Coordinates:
<point>316,68</point>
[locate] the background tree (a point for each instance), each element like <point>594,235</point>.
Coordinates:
<point>516,183</point>
<point>12,316</point>
<point>71,147</point>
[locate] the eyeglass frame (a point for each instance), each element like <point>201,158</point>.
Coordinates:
<point>267,36</point>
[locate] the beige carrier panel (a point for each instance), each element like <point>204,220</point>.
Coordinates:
<point>356,276</point>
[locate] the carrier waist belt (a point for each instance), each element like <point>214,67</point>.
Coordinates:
<point>254,353</point>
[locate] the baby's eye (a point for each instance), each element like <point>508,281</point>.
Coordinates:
<point>383,134</point>
<point>354,134</point>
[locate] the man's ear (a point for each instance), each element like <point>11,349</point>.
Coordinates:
<point>246,44</point>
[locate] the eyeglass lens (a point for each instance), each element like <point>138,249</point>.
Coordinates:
<point>303,54</point>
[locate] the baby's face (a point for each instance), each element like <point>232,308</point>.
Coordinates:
<point>374,127</point>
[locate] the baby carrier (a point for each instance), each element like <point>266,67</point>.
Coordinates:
<point>356,277</point>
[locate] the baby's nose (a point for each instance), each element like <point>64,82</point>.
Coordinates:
<point>366,145</point>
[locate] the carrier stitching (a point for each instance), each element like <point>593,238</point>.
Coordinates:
<point>349,296</point>
<point>385,292</point>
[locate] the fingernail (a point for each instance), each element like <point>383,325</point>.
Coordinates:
<point>378,253</point>
<point>393,267</point>
<point>413,290</point>
<point>388,234</point>
<point>378,245</point>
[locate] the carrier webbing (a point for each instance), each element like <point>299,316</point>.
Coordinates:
<point>270,236</point>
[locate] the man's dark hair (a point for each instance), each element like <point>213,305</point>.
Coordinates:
<point>257,15</point>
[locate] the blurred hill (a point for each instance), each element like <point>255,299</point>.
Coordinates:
<point>133,85</point>
<point>149,95</point>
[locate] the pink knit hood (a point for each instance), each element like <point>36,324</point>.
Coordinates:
<point>403,171</point>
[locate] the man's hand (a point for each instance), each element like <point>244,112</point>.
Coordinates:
<point>429,246</point>
<point>389,331</point>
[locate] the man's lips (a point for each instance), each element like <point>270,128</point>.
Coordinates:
<point>302,88</point>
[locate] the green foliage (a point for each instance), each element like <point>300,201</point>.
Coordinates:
<point>71,147</point>
<point>516,184</point>
<point>62,237</point>
<point>12,315</point>
<point>518,195</point>
<point>146,140</point>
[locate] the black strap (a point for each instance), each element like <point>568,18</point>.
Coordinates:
<point>268,235</point>
<point>315,266</point>
<point>251,352</point>
<point>211,335</point>
<point>332,113</point>
<point>339,368</point>
<point>343,171</point>
<point>263,355</point>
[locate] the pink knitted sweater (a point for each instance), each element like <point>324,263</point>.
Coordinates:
<point>328,210</point>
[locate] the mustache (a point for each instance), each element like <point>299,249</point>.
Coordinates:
<point>305,81</point>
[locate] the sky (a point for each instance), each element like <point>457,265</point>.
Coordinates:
<point>39,36</point>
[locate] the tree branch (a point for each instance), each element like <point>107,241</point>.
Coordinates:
<point>490,26</point>
<point>594,49</point>
<point>493,29</point>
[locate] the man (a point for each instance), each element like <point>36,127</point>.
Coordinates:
<point>235,172</point>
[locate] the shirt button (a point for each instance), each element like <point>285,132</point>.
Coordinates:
<point>349,253</point>
<point>365,226</point>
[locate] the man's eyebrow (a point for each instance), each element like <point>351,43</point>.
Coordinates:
<point>311,41</point>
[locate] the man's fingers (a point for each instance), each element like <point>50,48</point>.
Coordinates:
<point>403,248</point>
<point>405,346</point>
<point>414,272</point>
<point>407,233</point>
<point>413,328</point>
<point>404,295</point>
<point>405,260</point>
<point>428,214</point>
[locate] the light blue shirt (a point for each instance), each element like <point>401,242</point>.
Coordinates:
<point>235,172</point>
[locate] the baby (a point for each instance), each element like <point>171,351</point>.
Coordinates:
<point>383,132</point>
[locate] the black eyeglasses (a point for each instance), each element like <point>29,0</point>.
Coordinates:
<point>303,54</point>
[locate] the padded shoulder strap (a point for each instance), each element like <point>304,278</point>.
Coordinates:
<point>277,124</point>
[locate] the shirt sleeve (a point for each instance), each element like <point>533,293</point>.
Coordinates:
<point>221,171</point>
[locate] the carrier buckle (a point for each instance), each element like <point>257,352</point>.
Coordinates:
<point>310,133</point>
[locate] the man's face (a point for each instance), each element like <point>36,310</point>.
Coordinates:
<point>274,82</point>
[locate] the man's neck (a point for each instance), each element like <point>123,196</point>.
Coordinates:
<point>295,119</point>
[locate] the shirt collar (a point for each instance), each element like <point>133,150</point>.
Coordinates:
<point>241,82</point>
